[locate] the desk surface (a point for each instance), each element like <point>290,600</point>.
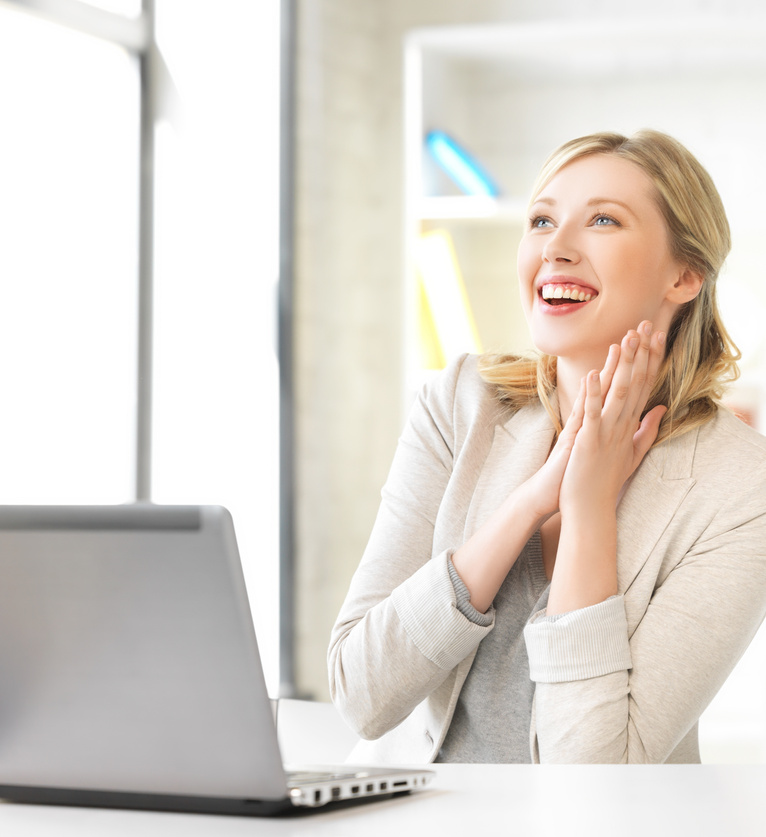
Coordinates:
<point>525,800</point>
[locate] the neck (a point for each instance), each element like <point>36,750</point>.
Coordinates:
<point>569,373</point>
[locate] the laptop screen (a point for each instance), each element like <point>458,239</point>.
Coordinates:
<point>128,656</point>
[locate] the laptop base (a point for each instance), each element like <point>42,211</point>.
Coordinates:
<point>170,803</point>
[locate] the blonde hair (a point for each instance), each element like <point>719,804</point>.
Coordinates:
<point>700,358</point>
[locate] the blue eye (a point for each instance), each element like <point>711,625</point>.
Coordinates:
<point>539,222</point>
<point>602,220</point>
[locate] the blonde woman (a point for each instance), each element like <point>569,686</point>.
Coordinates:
<point>576,593</point>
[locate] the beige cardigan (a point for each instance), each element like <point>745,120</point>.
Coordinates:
<point>691,568</point>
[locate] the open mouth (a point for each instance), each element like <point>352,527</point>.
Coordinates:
<point>565,294</point>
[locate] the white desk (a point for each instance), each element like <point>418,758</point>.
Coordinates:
<point>528,801</point>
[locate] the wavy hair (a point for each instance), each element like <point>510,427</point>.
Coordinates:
<point>700,358</point>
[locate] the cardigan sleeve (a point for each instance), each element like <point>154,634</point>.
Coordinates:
<point>605,695</point>
<point>581,644</point>
<point>400,632</point>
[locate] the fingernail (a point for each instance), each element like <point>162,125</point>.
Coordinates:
<point>647,328</point>
<point>661,338</point>
<point>633,342</point>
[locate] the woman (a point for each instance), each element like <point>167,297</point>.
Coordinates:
<point>576,594</point>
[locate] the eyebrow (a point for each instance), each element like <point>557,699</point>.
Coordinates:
<point>592,202</point>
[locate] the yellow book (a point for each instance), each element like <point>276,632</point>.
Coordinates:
<point>446,324</point>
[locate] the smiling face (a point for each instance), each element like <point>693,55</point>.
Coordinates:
<point>595,260</point>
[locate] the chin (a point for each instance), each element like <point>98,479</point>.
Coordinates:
<point>570,346</point>
<point>554,344</point>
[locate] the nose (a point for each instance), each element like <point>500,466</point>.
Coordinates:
<point>560,247</point>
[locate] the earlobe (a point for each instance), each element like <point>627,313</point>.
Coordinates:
<point>687,286</point>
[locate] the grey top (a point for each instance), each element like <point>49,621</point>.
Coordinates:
<point>494,709</point>
<point>621,681</point>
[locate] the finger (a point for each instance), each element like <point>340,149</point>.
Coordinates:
<point>593,404</point>
<point>579,403</point>
<point>563,448</point>
<point>656,356</point>
<point>619,390</point>
<point>638,393</point>
<point>574,422</point>
<point>647,433</point>
<point>607,373</point>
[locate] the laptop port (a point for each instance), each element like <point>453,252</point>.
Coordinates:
<point>354,788</point>
<point>336,793</point>
<point>400,784</point>
<point>317,797</point>
<point>369,788</point>
<point>384,786</point>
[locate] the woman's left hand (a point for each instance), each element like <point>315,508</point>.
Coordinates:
<point>613,438</point>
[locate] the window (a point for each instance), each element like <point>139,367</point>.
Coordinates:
<point>68,204</point>
<point>69,261</point>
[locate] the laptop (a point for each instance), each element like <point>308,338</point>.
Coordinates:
<point>129,669</point>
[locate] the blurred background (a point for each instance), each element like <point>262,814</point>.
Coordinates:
<point>233,249</point>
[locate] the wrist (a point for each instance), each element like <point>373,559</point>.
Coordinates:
<point>537,500</point>
<point>589,505</point>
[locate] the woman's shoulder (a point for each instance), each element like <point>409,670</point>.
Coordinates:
<point>734,435</point>
<point>460,405</point>
<point>730,451</point>
<point>460,389</point>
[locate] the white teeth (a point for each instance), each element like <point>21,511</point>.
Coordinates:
<point>560,292</point>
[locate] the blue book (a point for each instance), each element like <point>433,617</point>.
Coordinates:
<point>464,169</point>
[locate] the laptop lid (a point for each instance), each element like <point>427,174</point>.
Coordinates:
<point>128,658</point>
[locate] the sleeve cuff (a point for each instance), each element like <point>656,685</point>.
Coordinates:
<point>427,606</point>
<point>584,643</point>
<point>463,599</point>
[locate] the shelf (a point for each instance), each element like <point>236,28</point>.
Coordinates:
<point>644,45</point>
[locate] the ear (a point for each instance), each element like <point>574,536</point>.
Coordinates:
<point>687,286</point>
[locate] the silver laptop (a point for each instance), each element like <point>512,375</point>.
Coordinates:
<point>129,669</point>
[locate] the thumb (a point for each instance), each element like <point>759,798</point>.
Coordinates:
<point>644,437</point>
